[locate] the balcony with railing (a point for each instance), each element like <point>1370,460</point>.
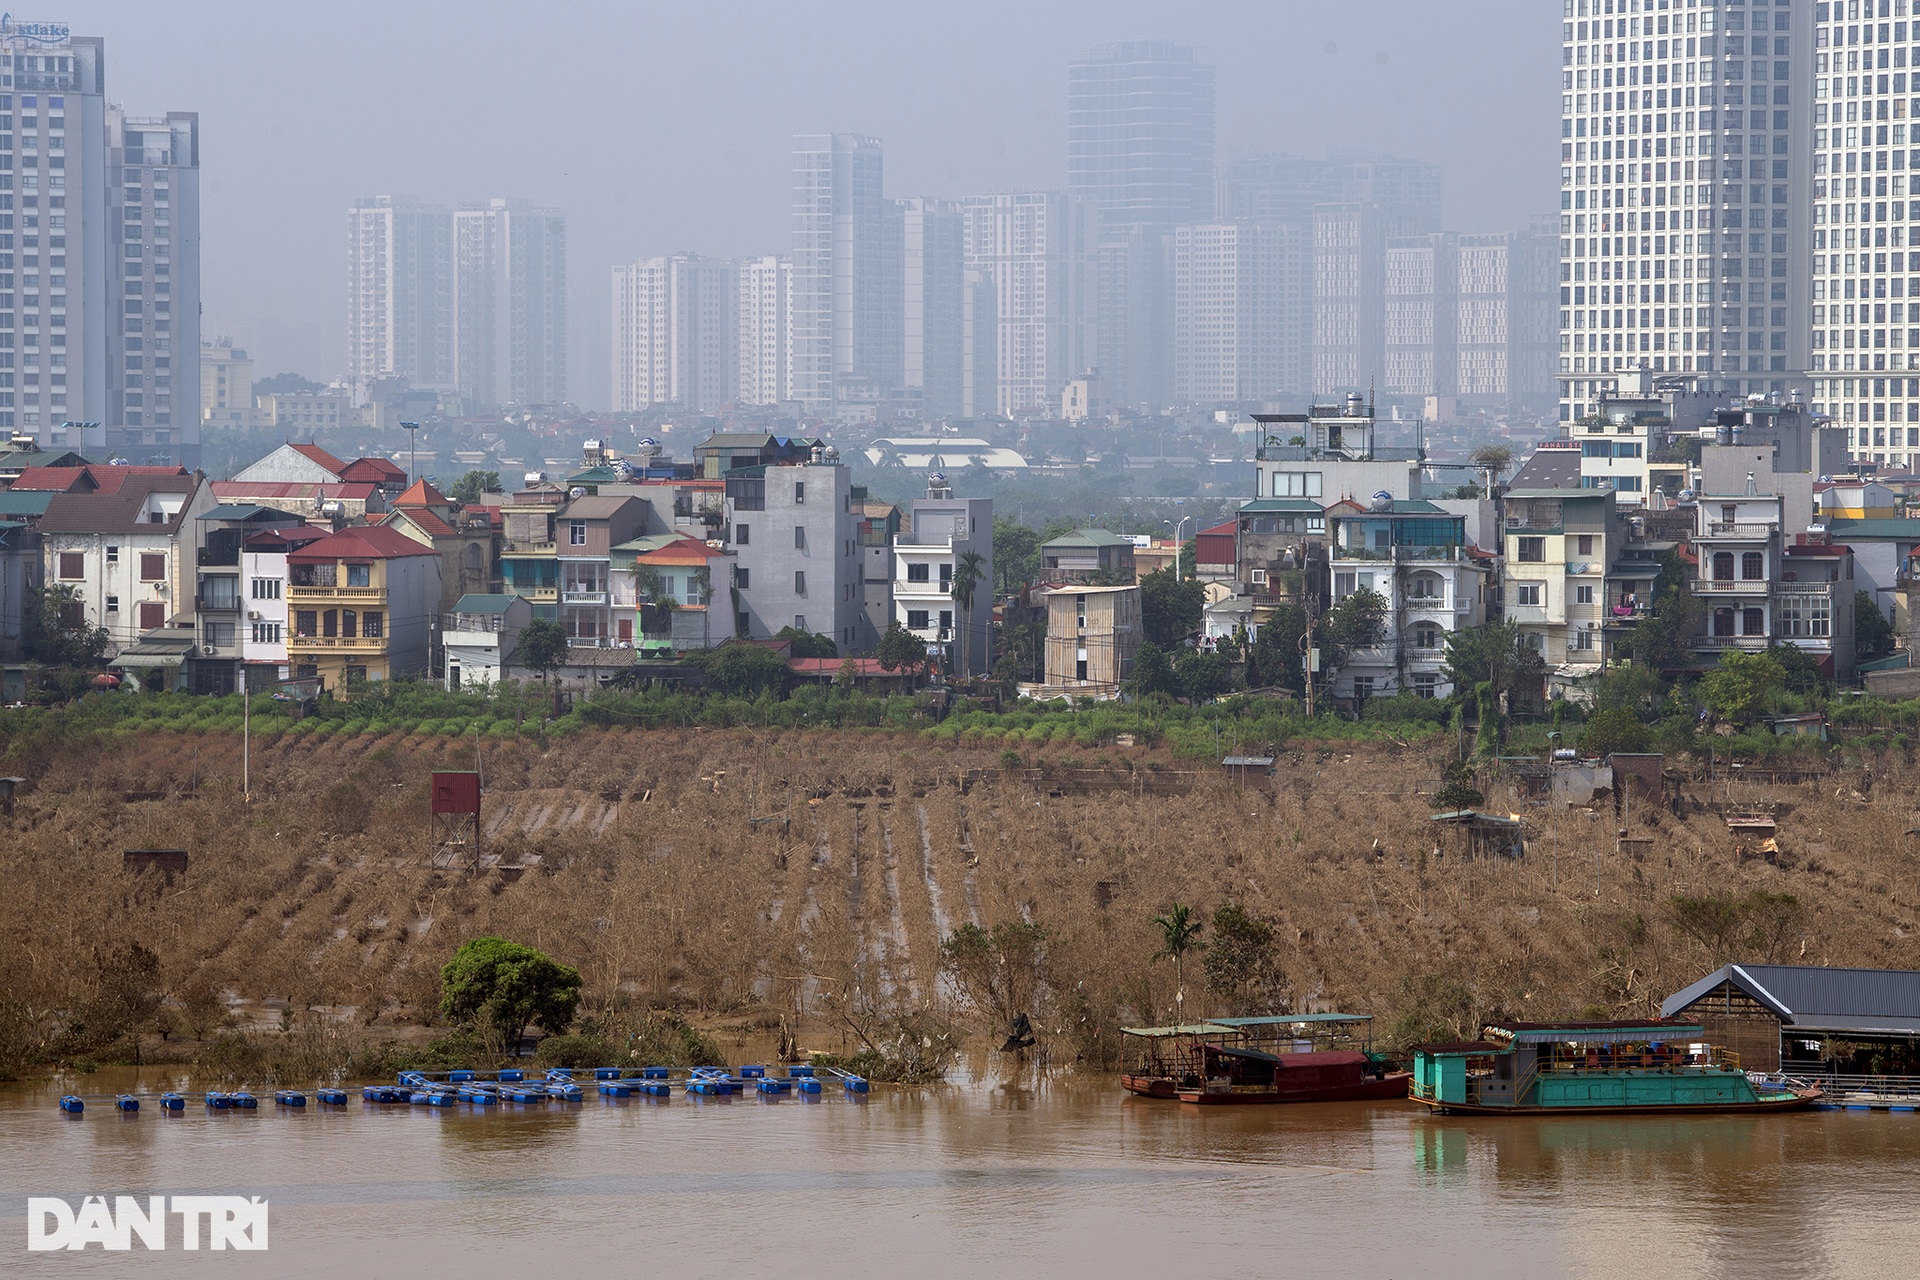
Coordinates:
<point>1732,586</point>
<point>1740,531</point>
<point>1401,555</point>
<point>356,644</point>
<point>336,595</point>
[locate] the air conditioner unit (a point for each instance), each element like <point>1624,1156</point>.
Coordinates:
<point>253,615</point>
<point>1258,576</point>
<point>159,588</point>
<point>208,649</point>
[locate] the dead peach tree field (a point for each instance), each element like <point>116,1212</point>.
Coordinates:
<point>809,879</point>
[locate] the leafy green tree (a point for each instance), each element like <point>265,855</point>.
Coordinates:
<point>808,644</point>
<point>543,647</point>
<point>969,568</point>
<point>57,632</point>
<point>900,649</point>
<point>740,668</point>
<point>1203,676</point>
<point>1179,933</point>
<point>504,987</point>
<point>1741,687</point>
<point>1872,634</point>
<point>1152,673</point>
<point>467,490</point>
<point>1170,611</point>
<point>1016,553</point>
<point>1495,457</point>
<point>1357,622</point>
<point>1662,640</point>
<point>1456,794</point>
<point>1803,671</point>
<point>1498,655</point>
<point>1243,963</point>
<point>1611,731</point>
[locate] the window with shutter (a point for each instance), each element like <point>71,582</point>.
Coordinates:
<point>152,614</point>
<point>153,566</point>
<point>73,566</point>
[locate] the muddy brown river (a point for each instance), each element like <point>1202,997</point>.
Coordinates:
<point>1060,1177</point>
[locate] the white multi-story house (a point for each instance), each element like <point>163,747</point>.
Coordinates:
<point>263,579</point>
<point>941,529</point>
<point>127,552</point>
<point>1416,557</point>
<point>1579,575</point>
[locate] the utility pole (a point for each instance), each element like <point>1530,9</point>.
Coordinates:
<point>246,740</point>
<point>412,429</point>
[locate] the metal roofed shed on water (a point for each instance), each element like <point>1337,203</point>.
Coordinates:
<point>1787,1017</point>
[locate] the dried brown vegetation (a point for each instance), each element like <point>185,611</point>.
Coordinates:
<point>804,881</point>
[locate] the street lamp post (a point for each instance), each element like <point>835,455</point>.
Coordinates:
<point>1176,546</point>
<point>411,428</point>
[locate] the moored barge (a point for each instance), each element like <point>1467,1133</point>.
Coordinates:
<point>1315,1057</point>
<point>1651,1067</point>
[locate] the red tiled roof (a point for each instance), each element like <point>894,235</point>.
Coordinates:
<point>683,551</point>
<point>56,480</point>
<point>362,542</point>
<point>296,534</point>
<point>116,512</point>
<point>421,494</point>
<point>92,478</point>
<point>372,471</point>
<point>314,453</point>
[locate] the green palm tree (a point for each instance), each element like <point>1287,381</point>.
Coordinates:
<point>1180,933</point>
<point>968,570</point>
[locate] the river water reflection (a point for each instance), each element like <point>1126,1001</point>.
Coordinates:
<point>1065,1177</point>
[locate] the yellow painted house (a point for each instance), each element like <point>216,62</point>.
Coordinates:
<point>360,605</point>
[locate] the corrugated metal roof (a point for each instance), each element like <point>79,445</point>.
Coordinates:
<point>478,603</point>
<point>1089,538</point>
<point>1288,1019</point>
<point>1883,1001</point>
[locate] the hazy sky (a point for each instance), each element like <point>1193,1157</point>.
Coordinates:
<point>659,128</point>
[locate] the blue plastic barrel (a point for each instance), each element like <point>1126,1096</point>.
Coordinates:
<point>217,1100</point>
<point>126,1102</point>
<point>245,1101</point>
<point>459,1077</point>
<point>332,1097</point>
<point>856,1084</point>
<point>798,1070</point>
<point>655,1073</point>
<point>564,1091</point>
<point>615,1089</point>
<point>767,1084</point>
<point>606,1073</point>
<point>289,1098</point>
<point>172,1102</point>
<point>753,1073</point>
<point>807,1084</point>
<point>509,1076</point>
<point>559,1073</point>
<point>658,1089</point>
<point>72,1105</point>
<point>481,1097</point>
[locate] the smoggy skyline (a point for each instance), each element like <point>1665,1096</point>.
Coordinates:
<point>659,128</point>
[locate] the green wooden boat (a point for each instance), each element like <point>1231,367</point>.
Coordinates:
<point>1587,1068</point>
